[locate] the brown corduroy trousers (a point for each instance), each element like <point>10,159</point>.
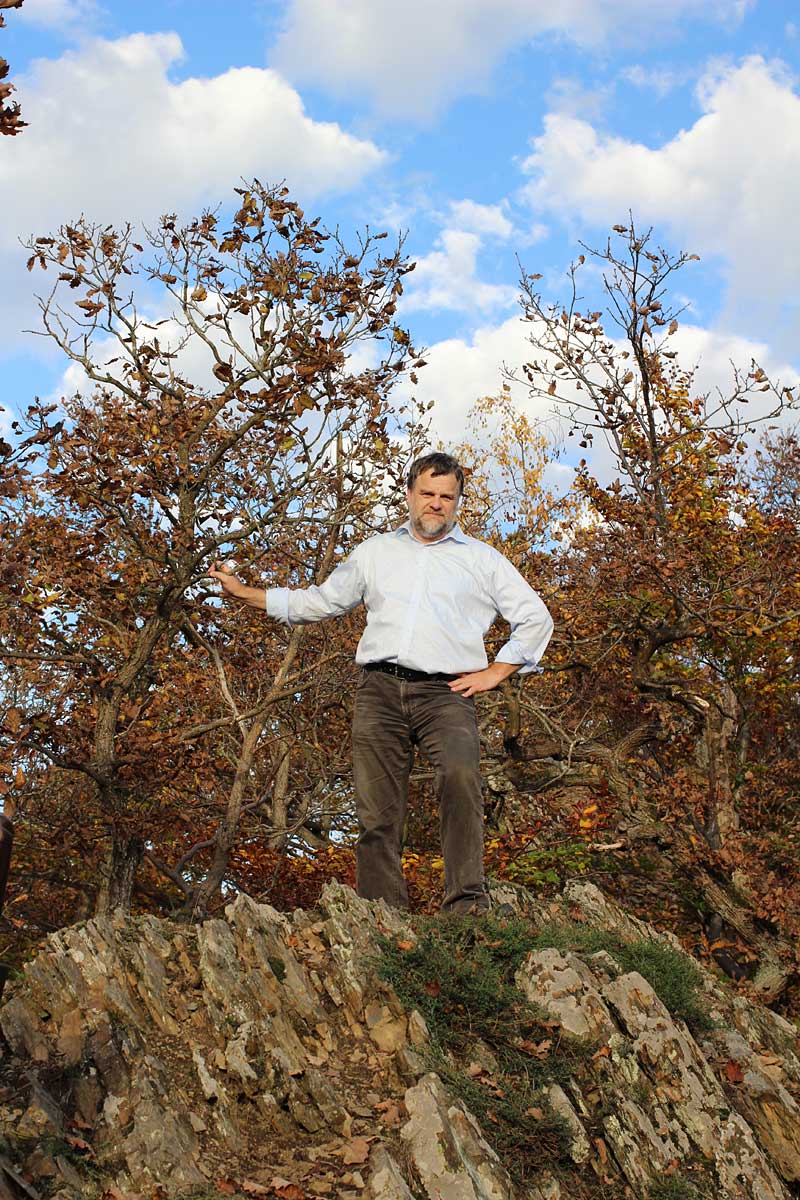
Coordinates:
<point>391,717</point>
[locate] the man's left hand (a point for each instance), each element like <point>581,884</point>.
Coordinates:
<point>482,681</point>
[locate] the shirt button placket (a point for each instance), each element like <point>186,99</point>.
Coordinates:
<point>413,605</point>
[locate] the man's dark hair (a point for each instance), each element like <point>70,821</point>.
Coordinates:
<point>438,464</point>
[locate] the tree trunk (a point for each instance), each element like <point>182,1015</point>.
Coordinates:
<point>229,826</point>
<point>280,793</point>
<point>717,754</point>
<point>119,873</point>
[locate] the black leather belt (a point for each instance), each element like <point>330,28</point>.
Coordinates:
<point>389,668</point>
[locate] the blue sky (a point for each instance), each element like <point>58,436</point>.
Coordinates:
<point>487,129</point>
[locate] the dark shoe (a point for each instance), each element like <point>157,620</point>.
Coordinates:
<point>478,909</point>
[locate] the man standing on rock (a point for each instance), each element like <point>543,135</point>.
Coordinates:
<point>431,592</point>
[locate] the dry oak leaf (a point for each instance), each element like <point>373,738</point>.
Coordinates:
<point>78,1143</point>
<point>357,1151</point>
<point>734,1072</point>
<point>601,1149</point>
<point>13,720</point>
<point>287,1190</point>
<point>225,1186</point>
<point>254,1189</point>
<point>391,1116</point>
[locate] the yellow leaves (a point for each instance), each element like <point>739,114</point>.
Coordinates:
<point>302,403</point>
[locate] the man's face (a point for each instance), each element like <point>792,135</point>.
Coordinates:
<point>432,504</point>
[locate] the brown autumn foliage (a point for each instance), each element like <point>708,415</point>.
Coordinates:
<point>162,748</point>
<point>677,593</point>
<point>217,428</point>
<point>11,121</point>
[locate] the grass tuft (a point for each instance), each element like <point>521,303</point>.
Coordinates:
<point>460,976</point>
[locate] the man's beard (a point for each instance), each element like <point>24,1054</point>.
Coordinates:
<point>431,526</point>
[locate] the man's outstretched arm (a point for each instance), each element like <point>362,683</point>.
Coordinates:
<point>341,591</point>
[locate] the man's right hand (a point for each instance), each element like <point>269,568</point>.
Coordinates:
<point>233,586</point>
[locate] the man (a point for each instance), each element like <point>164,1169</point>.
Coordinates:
<point>431,593</point>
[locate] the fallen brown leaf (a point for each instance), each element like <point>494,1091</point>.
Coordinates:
<point>357,1151</point>
<point>391,1115</point>
<point>78,1143</point>
<point>286,1189</point>
<point>734,1072</point>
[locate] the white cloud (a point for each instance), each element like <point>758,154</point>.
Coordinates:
<point>110,135</point>
<point>446,279</point>
<point>460,371</point>
<point>58,14</point>
<point>571,97</point>
<point>659,80</point>
<point>412,61</point>
<point>486,219</point>
<point>726,187</point>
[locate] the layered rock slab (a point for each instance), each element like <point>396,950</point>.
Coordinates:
<point>181,1055</point>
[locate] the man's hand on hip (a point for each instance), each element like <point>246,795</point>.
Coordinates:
<point>483,681</point>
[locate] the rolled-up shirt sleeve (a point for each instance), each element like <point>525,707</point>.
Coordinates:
<point>526,613</point>
<point>342,591</point>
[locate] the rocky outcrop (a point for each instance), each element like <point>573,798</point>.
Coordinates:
<point>260,1054</point>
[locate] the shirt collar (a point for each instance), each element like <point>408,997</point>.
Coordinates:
<point>456,534</point>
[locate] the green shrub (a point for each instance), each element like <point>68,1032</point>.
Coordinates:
<point>549,865</point>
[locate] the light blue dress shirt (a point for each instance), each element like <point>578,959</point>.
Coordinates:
<point>429,604</point>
